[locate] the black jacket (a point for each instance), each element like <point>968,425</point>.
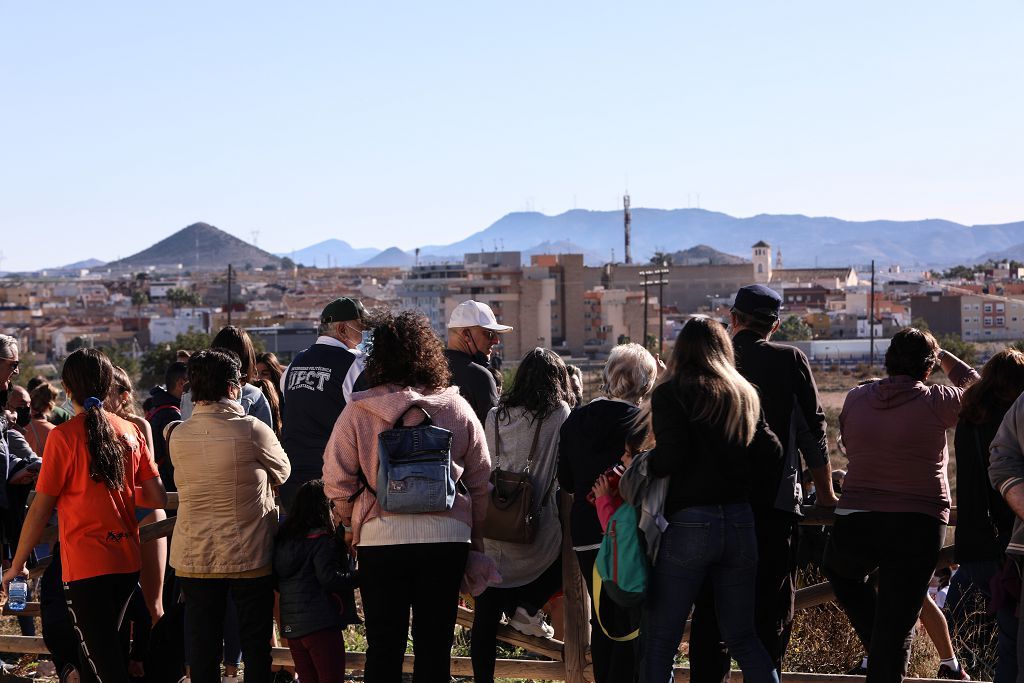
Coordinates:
<point>707,468</point>
<point>592,439</point>
<point>162,408</point>
<point>475,382</point>
<point>984,522</point>
<point>315,583</point>
<point>317,387</point>
<point>789,400</point>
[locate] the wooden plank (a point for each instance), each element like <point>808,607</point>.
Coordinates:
<point>31,610</point>
<point>821,593</point>
<point>155,530</point>
<point>819,516</point>
<point>462,666</point>
<point>576,604</point>
<point>549,647</point>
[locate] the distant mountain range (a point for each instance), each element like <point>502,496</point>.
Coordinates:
<point>332,252</point>
<point>804,241</point>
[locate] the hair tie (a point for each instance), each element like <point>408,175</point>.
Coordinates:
<point>92,402</point>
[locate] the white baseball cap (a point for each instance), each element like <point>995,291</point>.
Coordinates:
<point>475,314</point>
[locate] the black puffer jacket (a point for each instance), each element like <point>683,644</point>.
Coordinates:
<point>315,582</point>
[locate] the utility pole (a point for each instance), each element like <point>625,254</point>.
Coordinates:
<point>230,302</point>
<point>871,317</point>
<point>626,221</point>
<point>659,273</point>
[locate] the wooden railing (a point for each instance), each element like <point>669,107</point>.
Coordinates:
<point>567,660</point>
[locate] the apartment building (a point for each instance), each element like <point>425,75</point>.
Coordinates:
<point>973,317</point>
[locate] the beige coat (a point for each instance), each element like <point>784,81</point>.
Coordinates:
<point>225,467</point>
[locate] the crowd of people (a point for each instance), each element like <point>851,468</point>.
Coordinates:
<point>386,461</point>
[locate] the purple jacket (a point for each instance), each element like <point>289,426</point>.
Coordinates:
<point>894,431</point>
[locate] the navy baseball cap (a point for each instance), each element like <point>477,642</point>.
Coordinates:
<point>759,301</point>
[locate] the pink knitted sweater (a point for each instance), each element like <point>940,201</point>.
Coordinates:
<point>353,445</point>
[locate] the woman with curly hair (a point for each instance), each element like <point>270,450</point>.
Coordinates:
<point>410,560</point>
<point>522,436</point>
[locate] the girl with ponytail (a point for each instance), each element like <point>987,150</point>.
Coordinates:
<point>95,467</point>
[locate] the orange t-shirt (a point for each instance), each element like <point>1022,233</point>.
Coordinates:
<point>98,531</point>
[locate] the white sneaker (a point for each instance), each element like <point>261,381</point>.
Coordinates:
<point>531,626</point>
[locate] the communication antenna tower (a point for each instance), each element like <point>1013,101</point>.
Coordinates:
<point>255,238</point>
<point>626,219</point>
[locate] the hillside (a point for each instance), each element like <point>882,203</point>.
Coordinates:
<point>390,258</point>
<point>200,246</point>
<point>702,254</point>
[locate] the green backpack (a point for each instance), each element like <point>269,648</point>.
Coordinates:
<point>621,565</point>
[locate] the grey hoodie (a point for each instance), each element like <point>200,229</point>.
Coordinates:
<point>1006,464</point>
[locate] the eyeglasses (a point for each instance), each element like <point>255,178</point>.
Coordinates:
<point>490,334</point>
<point>14,363</point>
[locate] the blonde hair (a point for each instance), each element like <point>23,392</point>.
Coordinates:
<point>630,373</point>
<point>703,368</point>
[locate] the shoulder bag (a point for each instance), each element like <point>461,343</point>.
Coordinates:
<point>510,514</point>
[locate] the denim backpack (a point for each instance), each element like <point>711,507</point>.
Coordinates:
<point>414,473</point>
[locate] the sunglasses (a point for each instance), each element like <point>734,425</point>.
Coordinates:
<point>14,363</point>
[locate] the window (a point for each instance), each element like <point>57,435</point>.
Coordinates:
<point>988,321</point>
<point>988,308</point>
<point>1000,321</point>
<point>1000,308</point>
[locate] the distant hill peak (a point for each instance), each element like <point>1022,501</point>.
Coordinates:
<point>199,246</point>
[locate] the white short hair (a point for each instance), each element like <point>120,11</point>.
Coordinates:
<point>630,373</point>
<point>6,345</point>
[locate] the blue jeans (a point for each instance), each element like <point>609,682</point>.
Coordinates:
<point>716,541</point>
<point>978,575</point>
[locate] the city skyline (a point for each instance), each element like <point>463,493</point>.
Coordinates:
<point>426,124</point>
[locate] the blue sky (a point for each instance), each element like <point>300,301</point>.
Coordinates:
<point>410,123</point>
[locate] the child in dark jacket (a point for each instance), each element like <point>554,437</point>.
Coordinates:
<point>316,585</point>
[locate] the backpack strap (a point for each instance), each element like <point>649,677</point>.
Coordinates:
<point>364,485</point>
<point>427,421</point>
<point>597,610</point>
<point>497,442</point>
<point>154,411</point>
<point>533,446</point>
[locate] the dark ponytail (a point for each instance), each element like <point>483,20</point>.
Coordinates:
<point>88,374</point>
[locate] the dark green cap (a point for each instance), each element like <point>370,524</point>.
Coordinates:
<point>342,309</point>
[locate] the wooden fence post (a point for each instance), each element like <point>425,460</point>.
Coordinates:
<point>576,606</point>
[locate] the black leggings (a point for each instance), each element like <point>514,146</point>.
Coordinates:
<point>489,606</point>
<point>97,606</point>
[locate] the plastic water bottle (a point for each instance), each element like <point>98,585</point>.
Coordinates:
<point>17,595</point>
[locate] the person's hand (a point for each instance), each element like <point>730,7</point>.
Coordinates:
<point>601,487</point>
<point>11,573</point>
<point>661,364</point>
<point>26,476</point>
